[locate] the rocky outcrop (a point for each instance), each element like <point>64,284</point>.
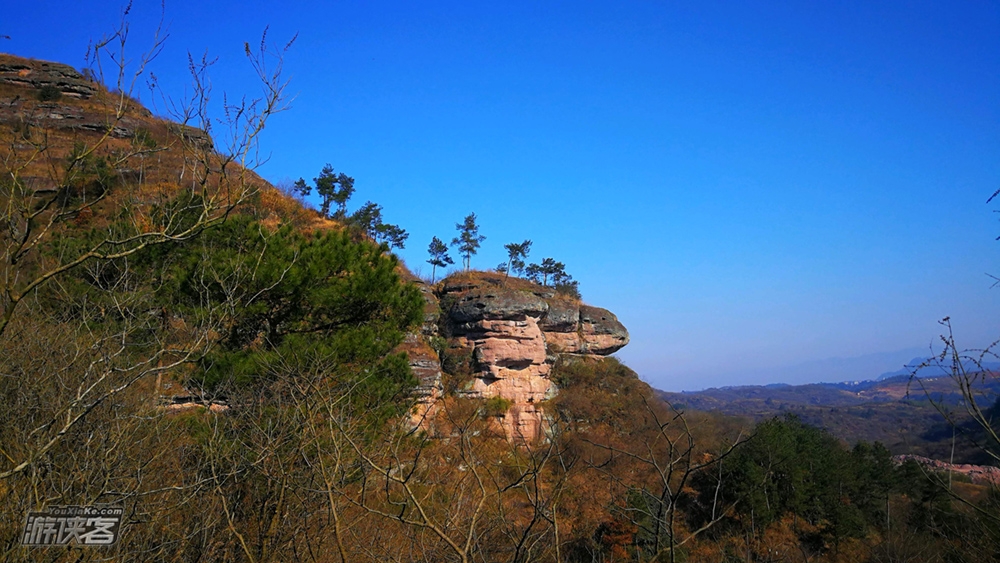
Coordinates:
<point>513,331</point>
<point>193,136</point>
<point>39,75</point>
<point>56,115</point>
<point>600,331</point>
<point>478,303</point>
<point>426,368</point>
<point>585,330</point>
<point>424,362</point>
<point>52,96</point>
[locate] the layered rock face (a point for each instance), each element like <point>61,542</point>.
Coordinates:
<point>39,74</point>
<point>513,333</point>
<point>68,109</point>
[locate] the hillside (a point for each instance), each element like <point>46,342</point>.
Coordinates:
<point>61,128</point>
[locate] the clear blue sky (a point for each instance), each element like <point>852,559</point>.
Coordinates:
<point>754,188</point>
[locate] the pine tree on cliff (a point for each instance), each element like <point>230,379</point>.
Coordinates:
<point>468,240</point>
<point>337,189</point>
<point>548,271</point>
<point>552,273</point>
<point>516,255</point>
<point>439,256</point>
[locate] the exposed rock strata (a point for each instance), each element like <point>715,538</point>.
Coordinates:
<point>38,77</point>
<point>40,74</point>
<point>513,334</point>
<point>427,369</point>
<point>193,136</point>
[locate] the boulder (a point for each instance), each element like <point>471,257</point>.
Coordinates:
<point>600,331</point>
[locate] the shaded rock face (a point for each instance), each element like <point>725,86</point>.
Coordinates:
<point>426,367</point>
<point>424,362</point>
<point>475,304</point>
<point>515,334</point>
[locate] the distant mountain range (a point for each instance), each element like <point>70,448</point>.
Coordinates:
<point>832,369</point>
<point>935,371</point>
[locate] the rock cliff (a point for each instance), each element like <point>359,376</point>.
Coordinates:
<point>499,339</point>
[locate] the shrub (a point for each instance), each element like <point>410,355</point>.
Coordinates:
<point>496,406</point>
<point>49,93</point>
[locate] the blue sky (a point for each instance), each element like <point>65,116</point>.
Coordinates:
<point>758,190</point>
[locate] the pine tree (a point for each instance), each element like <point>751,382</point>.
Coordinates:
<point>553,274</point>
<point>516,255</point>
<point>368,219</point>
<point>469,239</point>
<point>439,256</point>
<point>542,273</point>
<point>392,235</point>
<point>334,189</point>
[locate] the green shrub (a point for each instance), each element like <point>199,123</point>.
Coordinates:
<point>49,93</point>
<point>143,139</point>
<point>439,345</point>
<point>496,406</point>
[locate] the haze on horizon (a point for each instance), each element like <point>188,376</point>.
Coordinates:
<point>764,192</point>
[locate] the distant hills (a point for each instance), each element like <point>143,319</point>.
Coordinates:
<point>894,410</point>
<point>838,368</point>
